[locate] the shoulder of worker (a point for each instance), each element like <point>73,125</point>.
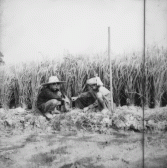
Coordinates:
<point>104,90</point>
<point>47,90</point>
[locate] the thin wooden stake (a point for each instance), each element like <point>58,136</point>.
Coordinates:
<point>111,88</point>
<point>144,79</point>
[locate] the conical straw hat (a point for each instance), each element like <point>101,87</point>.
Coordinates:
<point>52,80</point>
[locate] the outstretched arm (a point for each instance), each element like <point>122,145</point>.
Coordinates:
<point>84,94</point>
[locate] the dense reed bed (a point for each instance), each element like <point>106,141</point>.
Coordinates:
<point>20,83</point>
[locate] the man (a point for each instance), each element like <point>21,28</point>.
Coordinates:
<point>50,100</point>
<point>98,95</point>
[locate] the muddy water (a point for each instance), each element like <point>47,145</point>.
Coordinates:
<point>81,149</point>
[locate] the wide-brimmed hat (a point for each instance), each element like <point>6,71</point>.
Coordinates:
<point>52,80</point>
<point>95,80</point>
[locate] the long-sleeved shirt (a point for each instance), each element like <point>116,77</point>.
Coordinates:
<point>85,99</point>
<point>89,98</point>
<point>46,94</point>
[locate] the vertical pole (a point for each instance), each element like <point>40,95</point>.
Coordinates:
<point>109,55</point>
<point>143,70</point>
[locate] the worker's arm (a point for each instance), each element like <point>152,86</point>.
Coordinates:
<point>51,95</point>
<point>84,94</point>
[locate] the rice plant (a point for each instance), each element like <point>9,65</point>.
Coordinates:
<point>20,83</point>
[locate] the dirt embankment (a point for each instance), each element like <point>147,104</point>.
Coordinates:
<point>78,139</point>
<point>124,118</point>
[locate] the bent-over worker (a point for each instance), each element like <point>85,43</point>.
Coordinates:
<point>51,100</point>
<point>97,93</point>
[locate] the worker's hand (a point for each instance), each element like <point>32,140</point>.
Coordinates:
<point>105,111</point>
<point>59,94</point>
<point>74,98</point>
<point>86,109</point>
<point>58,102</point>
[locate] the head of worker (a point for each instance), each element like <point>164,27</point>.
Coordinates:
<point>94,83</point>
<point>54,83</point>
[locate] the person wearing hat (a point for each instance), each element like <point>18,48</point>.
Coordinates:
<point>51,100</point>
<point>97,92</point>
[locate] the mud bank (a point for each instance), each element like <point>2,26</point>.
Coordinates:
<point>78,139</point>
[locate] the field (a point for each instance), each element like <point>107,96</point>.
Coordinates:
<point>27,139</point>
<point>86,139</point>
<point>21,82</point>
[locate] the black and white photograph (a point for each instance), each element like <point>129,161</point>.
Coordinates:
<point>83,83</point>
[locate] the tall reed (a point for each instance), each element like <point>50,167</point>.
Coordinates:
<point>20,83</point>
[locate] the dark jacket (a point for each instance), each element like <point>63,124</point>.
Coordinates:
<point>46,94</point>
<point>85,99</point>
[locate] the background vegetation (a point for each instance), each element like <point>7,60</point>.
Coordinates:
<point>21,82</point>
